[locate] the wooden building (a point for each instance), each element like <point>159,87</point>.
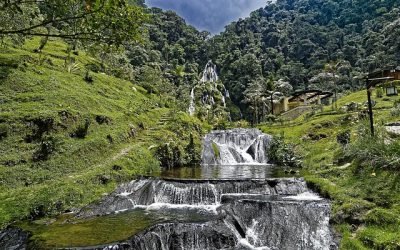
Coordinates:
<point>387,78</point>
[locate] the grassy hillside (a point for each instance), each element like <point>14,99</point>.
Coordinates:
<point>361,178</point>
<point>64,140</point>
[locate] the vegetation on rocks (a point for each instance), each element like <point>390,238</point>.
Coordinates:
<point>358,172</point>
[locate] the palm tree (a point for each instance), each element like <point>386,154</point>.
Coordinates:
<point>179,73</point>
<point>332,68</point>
<point>253,97</point>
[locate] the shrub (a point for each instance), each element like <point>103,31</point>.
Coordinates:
<point>82,130</point>
<point>41,126</point>
<point>170,155</point>
<point>3,131</point>
<point>374,151</point>
<point>343,138</point>
<point>283,153</point>
<point>46,148</point>
<point>379,93</point>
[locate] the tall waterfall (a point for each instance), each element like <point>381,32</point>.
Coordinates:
<point>192,106</point>
<point>210,79</point>
<point>209,73</point>
<point>236,146</point>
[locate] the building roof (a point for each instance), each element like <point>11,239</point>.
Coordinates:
<point>309,95</point>
<point>381,76</point>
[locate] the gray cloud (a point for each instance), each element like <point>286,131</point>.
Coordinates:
<point>210,15</point>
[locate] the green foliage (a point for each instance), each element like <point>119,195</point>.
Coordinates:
<point>295,40</point>
<point>3,131</point>
<point>47,146</point>
<point>43,171</point>
<point>82,129</point>
<point>379,93</point>
<point>282,153</point>
<point>215,150</point>
<point>110,21</point>
<point>367,150</point>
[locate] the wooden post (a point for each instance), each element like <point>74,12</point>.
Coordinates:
<point>272,103</point>
<point>371,115</point>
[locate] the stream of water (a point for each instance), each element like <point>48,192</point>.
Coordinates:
<point>233,201</point>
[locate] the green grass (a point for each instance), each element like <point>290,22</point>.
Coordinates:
<point>365,196</point>
<point>44,104</point>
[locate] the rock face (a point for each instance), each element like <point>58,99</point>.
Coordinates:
<point>248,214</point>
<point>152,192</point>
<point>13,239</point>
<point>393,128</point>
<point>236,146</point>
<point>284,224</point>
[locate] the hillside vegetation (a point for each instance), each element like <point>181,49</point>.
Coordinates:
<point>67,136</point>
<point>314,44</point>
<point>360,176</point>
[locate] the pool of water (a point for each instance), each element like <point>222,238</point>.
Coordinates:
<point>69,231</point>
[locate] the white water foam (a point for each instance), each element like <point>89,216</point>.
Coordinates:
<point>306,196</point>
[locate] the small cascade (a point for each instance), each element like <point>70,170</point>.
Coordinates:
<point>205,194</point>
<point>236,146</point>
<point>247,214</point>
<point>239,214</point>
<point>210,73</point>
<point>192,106</point>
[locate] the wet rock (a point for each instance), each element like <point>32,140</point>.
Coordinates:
<point>393,128</point>
<point>343,138</point>
<point>236,146</point>
<point>147,191</point>
<point>13,239</point>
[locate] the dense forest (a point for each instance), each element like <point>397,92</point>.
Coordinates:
<point>310,44</point>
<point>306,42</point>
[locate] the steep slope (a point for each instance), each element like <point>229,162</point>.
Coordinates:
<point>68,136</point>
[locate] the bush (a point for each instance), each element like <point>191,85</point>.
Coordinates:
<point>170,155</point>
<point>343,138</point>
<point>374,151</point>
<point>282,153</point>
<point>3,131</point>
<point>46,148</point>
<point>40,126</point>
<point>379,93</point>
<point>82,130</point>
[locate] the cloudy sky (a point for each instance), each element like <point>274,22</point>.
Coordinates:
<point>210,15</point>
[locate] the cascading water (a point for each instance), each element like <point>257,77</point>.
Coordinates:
<point>242,214</point>
<point>192,106</point>
<point>209,73</point>
<point>210,86</point>
<point>265,213</point>
<point>236,146</point>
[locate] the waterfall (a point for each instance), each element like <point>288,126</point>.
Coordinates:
<point>209,75</point>
<point>236,146</point>
<point>239,214</point>
<point>247,214</point>
<point>192,107</point>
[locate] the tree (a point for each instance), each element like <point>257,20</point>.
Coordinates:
<point>93,21</point>
<point>332,68</point>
